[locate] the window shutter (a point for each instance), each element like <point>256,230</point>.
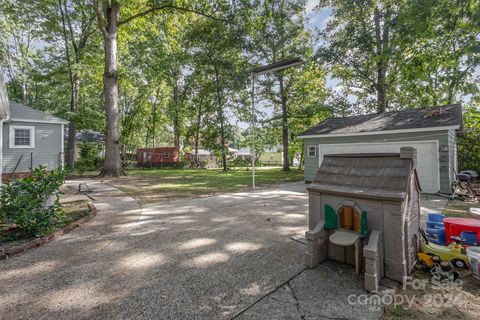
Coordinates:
<point>330,217</point>
<point>364,224</point>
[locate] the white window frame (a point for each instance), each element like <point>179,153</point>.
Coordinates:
<point>314,148</point>
<point>12,137</point>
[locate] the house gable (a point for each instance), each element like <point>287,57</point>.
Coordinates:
<point>22,113</point>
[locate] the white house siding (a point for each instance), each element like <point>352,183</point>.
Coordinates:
<point>47,150</point>
<point>445,150</point>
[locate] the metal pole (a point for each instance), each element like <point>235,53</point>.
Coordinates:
<point>253,131</point>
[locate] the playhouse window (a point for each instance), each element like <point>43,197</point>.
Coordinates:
<point>350,219</point>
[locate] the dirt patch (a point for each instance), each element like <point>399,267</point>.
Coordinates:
<point>461,208</point>
<point>429,299</point>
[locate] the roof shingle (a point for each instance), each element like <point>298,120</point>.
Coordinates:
<point>20,112</point>
<point>449,115</point>
<point>379,175</point>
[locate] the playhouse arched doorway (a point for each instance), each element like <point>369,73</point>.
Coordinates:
<point>350,219</point>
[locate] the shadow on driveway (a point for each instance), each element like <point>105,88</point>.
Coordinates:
<point>206,258</point>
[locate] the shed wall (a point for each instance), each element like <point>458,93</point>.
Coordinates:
<point>47,150</point>
<point>446,157</point>
<point>157,155</point>
<point>452,149</point>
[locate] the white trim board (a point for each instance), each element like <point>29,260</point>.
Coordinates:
<point>368,133</point>
<point>11,137</point>
<point>436,164</point>
<point>62,147</point>
<point>39,121</point>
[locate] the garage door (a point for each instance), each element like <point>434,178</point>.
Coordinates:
<point>427,153</point>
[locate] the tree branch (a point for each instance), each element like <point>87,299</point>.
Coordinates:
<point>70,27</point>
<point>64,33</point>
<point>100,19</point>
<point>169,6</point>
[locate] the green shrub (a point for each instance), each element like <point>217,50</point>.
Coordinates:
<point>33,203</point>
<point>469,142</point>
<point>237,162</point>
<point>89,158</point>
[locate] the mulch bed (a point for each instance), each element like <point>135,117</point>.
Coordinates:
<point>31,244</point>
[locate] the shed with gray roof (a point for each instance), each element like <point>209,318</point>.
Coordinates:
<point>31,138</point>
<point>432,131</point>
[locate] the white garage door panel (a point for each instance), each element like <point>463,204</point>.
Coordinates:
<point>427,156</point>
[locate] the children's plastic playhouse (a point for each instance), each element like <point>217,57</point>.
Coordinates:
<point>366,206</point>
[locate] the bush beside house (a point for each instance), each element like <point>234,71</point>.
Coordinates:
<point>32,203</point>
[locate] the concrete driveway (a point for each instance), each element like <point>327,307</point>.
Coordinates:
<point>221,257</point>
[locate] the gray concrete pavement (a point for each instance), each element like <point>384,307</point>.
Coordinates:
<point>194,259</point>
<point>431,204</point>
<point>221,257</point>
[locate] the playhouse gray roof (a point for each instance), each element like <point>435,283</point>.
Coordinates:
<point>19,112</point>
<point>372,175</point>
<point>444,116</point>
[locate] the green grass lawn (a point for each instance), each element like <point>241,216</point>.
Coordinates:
<point>151,185</point>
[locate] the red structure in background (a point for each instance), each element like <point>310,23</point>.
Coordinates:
<point>454,226</point>
<point>153,156</point>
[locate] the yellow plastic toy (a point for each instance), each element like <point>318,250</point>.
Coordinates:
<point>454,252</point>
<point>425,260</point>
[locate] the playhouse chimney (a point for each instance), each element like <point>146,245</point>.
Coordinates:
<point>409,153</point>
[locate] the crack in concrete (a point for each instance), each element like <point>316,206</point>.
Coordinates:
<point>268,294</point>
<point>297,304</point>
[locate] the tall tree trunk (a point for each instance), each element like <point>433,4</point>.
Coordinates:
<point>74,90</point>
<point>24,92</point>
<point>113,164</point>
<point>72,130</point>
<point>286,163</point>
<point>301,161</point>
<point>176,120</point>
<point>197,130</point>
<point>221,118</point>
<point>222,139</point>
<point>74,76</point>
<point>154,116</point>
<point>382,43</point>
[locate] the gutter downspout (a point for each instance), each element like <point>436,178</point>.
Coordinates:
<point>62,148</point>
<point>1,148</point>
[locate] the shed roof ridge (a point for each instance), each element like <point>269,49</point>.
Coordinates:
<point>398,111</point>
<point>15,106</point>
<point>449,115</point>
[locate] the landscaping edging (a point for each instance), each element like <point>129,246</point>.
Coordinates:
<point>41,241</point>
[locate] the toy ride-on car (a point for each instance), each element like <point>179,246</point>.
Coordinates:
<point>454,252</point>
